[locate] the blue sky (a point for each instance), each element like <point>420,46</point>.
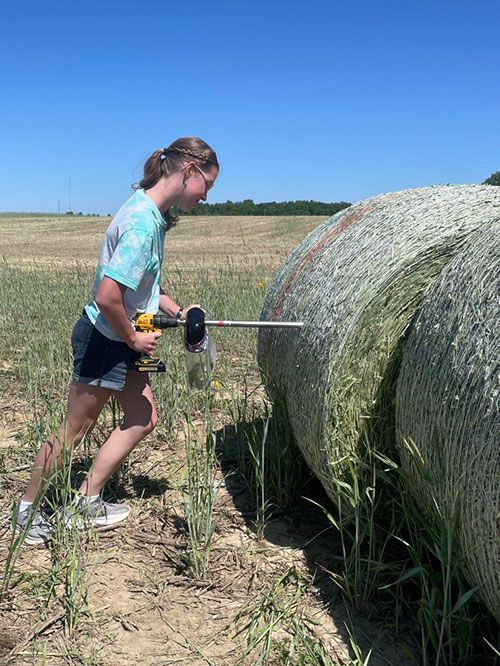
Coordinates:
<point>319,99</point>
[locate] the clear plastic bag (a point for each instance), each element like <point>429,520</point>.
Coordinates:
<point>200,363</point>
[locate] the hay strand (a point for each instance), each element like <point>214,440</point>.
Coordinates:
<point>357,281</point>
<point>448,408</point>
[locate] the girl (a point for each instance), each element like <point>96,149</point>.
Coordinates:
<point>104,340</point>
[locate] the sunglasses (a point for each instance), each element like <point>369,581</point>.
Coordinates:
<point>208,183</point>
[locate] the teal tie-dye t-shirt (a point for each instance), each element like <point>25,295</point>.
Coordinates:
<point>131,254</point>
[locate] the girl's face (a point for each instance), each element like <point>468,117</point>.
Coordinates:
<point>198,182</point>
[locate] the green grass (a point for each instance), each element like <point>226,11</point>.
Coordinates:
<point>37,311</point>
<point>388,552</point>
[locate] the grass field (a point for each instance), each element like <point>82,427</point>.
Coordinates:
<point>224,560</point>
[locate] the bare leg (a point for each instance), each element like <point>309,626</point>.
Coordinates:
<point>84,406</point>
<point>137,403</point>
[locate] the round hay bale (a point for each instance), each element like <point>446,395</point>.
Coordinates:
<point>356,281</point>
<point>448,408</point>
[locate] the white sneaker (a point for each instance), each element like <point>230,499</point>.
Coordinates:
<point>36,527</point>
<point>96,514</point>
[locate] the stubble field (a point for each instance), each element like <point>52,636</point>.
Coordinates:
<point>224,560</point>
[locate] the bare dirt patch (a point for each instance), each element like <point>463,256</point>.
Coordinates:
<point>144,605</point>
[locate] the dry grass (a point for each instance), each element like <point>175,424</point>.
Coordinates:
<point>70,241</point>
<point>143,603</point>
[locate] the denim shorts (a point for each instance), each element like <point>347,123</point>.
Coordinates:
<point>97,360</point>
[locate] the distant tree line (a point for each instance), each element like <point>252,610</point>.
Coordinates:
<point>494,179</point>
<point>249,207</point>
<point>70,212</point>
<point>32,214</point>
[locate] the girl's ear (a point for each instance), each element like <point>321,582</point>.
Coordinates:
<point>189,169</point>
<point>185,173</point>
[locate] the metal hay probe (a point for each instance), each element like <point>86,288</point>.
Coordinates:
<point>195,335</point>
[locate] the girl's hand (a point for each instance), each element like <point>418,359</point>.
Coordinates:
<point>146,343</point>
<point>193,305</point>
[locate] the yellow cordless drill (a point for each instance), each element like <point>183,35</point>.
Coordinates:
<point>152,323</point>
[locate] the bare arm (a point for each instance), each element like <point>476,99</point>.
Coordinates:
<point>109,299</point>
<point>170,307</point>
<point>167,305</point>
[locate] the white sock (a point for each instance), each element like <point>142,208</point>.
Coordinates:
<point>24,505</point>
<point>85,499</point>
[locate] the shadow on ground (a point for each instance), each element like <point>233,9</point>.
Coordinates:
<point>121,486</point>
<point>305,526</point>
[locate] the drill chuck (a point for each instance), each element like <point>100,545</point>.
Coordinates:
<point>148,323</point>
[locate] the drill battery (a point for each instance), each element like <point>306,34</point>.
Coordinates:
<point>152,323</point>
